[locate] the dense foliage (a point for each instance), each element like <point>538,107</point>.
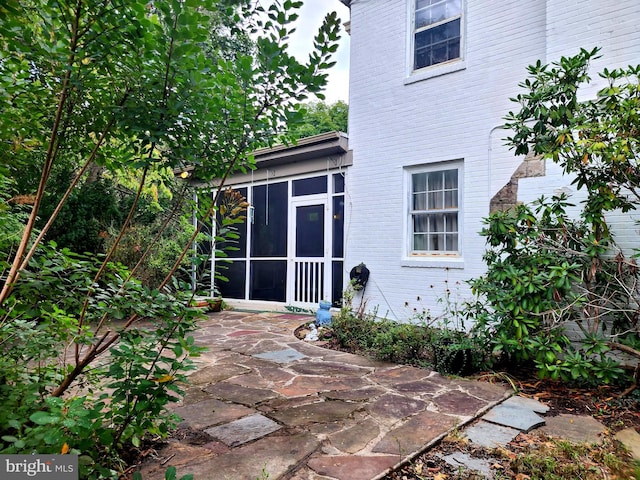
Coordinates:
<point>319,117</point>
<point>102,102</point>
<point>423,340</point>
<point>557,290</point>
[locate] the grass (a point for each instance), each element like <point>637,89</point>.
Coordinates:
<point>551,459</point>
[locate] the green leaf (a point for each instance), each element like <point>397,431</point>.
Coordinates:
<point>170,473</point>
<point>42,418</point>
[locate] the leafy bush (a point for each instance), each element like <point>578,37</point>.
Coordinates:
<point>154,265</point>
<point>417,342</point>
<point>43,341</point>
<point>547,272</point>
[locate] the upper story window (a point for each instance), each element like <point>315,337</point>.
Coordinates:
<point>434,211</point>
<point>437,32</point>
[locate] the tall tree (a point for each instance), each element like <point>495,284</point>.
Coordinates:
<point>320,117</point>
<point>90,86</point>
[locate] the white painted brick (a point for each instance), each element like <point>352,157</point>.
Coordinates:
<point>453,116</point>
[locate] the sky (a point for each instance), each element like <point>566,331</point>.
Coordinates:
<point>311,15</point>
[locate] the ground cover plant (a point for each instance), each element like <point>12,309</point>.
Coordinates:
<point>423,340</point>
<point>103,102</point>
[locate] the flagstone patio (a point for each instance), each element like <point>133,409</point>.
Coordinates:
<point>264,404</point>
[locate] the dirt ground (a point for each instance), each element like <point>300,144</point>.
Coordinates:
<point>536,456</point>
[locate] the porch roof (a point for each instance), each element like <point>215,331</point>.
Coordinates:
<point>311,154</point>
<point>309,148</point>
<point>307,155</point>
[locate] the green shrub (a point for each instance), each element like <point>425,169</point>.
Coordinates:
<point>45,348</point>
<point>417,342</point>
<point>544,272</point>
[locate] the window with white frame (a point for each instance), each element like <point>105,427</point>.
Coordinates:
<point>434,210</point>
<point>437,32</point>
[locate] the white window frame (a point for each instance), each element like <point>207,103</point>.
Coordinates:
<point>432,258</point>
<point>436,69</point>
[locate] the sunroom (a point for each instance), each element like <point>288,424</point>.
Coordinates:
<point>290,250</point>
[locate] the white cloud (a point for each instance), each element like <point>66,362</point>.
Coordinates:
<point>312,14</point>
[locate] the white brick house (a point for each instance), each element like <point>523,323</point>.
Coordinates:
<point>430,82</point>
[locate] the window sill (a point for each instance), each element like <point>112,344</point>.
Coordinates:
<point>435,71</point>
<point>433,262</point>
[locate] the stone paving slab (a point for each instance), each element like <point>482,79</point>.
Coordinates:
<point>424,388</point>
<point>353,467</point>
<point>524,402</point>
<point>239,394</point>
<point>490,435</point>
<point>240,333</point>
<point>399,374</point>
<point>320,412</point>
<point>352,359</point>
<point>631,439</point>
<point>270,457</point>
<point>281,356</point>
<point>356,395</point>
<point>329,369</point>
<point>575,428</point>
<point>264,404</point>
<point>183,457</point>
<point>304,385</point>
<point>355,438</point>
<point>466,461</point>
<point>243,430</point>
<point>483,390</point>
<point>458,403</point>
<point>210,412</point>
<point>251,380</point>
<point>515,416</point>
<point>391,408</point>
<point>305,473</point>
<point>214,373</point>
<point>416,433</point>
<point>194,395</point>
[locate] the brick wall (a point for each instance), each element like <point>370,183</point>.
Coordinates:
<point>396,122</point>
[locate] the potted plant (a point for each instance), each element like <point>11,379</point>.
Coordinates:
<point>215,304</point>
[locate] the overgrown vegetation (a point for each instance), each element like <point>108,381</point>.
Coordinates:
<point>548,273</point>
<point>529,457</point>
<point>422,341</point>
<point>102,102</point>
<point>109,404</point>
<point>558,292</point>
<point>559,459</point>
